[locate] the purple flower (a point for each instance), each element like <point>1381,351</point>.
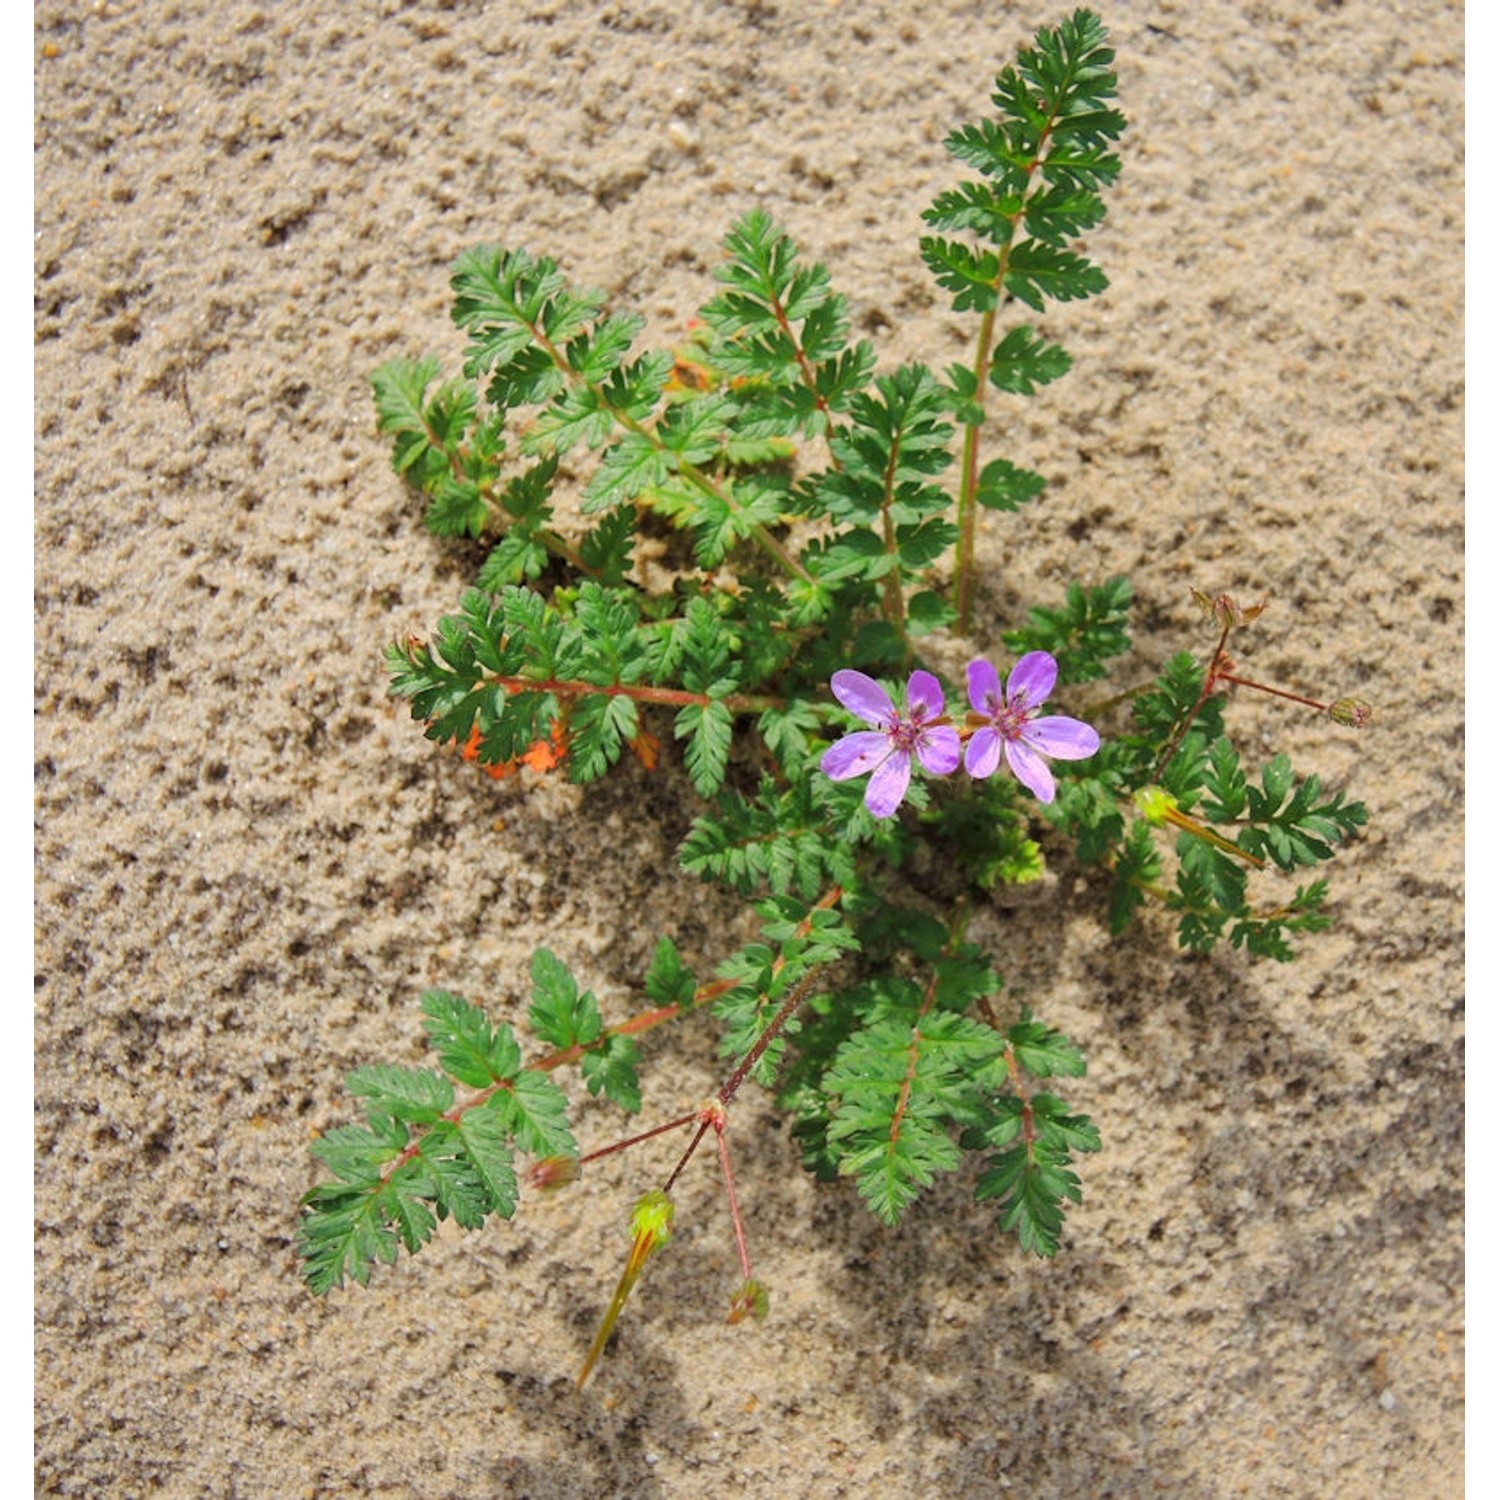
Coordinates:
<point>886,751</point>
<point>1011,724</point>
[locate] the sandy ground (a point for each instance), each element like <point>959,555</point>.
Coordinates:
<point>249,863</point>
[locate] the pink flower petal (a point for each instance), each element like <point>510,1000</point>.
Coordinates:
<point>863,697</point>
<point>982,755</point>
<point>1060,738</point>
<point>1031,679</point>
<point>1030,770</point>
<point>984,688</point>
<point>855,754</point>
<point>888,784</point>
<point>924,696</point>
<point>939,750</point>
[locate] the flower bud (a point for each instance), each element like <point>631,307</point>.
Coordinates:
<point>552,1173</point>
<point>750,1300</point>
<point>1352,713</point>
<point>1155,804</point>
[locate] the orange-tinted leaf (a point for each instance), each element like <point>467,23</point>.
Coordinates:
<point>646,748</point>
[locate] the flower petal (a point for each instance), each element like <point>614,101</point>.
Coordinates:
<point>1031,679</point>
<point>888,784</point>
<point>924,697</point>
<point>939,750</point>
<point>855,754</point>
<point>1060,738</point>
<point>863,697</point>
<point>984,690</point>
<point>982,754</point>
<point>1030,770</point>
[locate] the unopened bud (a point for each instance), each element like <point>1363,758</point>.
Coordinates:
<point>552,1173</point>
<point>751,1300</point>
<point>1352,713</point>
<point>651,1219</point>
<point>1154,803</point>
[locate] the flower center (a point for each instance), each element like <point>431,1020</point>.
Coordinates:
<point>906,734</point>
<point>1011,720</point>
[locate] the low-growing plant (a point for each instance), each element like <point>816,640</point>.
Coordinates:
<point>816,547</point>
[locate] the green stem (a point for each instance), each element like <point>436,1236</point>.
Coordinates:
<point>968,488</point>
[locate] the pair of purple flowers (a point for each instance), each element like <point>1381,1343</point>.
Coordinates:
<point>1002,722</point>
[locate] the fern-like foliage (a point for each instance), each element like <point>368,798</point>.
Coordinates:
<point>427,1151</point>
<point>1041,164</point>
<point>1033,1137</point>
<point>781,336</point>
<point>898,1089</point>
<point>1084,634</point>
<point>893,1082</point>
<point>1287,823</point>
<point>797,941</point>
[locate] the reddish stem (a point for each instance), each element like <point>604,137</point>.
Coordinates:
<point>1210,678</point>
<point>635,1140</point>
<point>1262,687</point>
<point>734,1202</point>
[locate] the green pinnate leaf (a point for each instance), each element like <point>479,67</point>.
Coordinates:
<point>1033,1179</point>
<point>978,207</point>
<point>1043,1052</point>
<point>709,730</point>
<point>535,1111</point>
<point>598,730</point>
<point>517,557</point>
<point>416,1096</point>
<point>612,1069</point>
<point>1137,868</point>
<point>668,980</point>
<point>927,612</point>
<point>505,299</point>
<point>1002,152</point>
<point>578,414</point>
<point>613,650</point>
<point>452,1179</point>
<point>696,430</point>
<point>559,1014</point>
<point>1022,362</point>
<point>341,1234</point>
<point>1208,879</point>
<point>636,463</point>
<point>359,1154</point>
<point>400,389</point>
<point>1005,486</point>
<point>403,1202</point>
<point>972,276</point>
<point>458,508</point>
<point>920,545</point>
<point>1289,824</point>
<point>776,840</point>
<point>899,1089</point>
<point>526,495</point>
<point>485,1131</point>
<point>1063,212</point>
<point>1085,632</point>
<point>468,1047</point>
<point>1037,271</point>
<point>594,357</point>
<point>1064,78</point>
<point>608,550</point>
<point>1224,784</point>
